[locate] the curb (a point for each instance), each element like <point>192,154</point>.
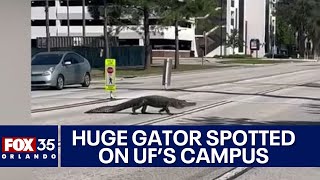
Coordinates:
<point>176,73</point>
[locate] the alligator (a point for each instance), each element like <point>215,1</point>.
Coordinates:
<point>143,102</point>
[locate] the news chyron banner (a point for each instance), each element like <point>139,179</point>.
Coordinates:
<point>190,146</point>
<point>29,146</point>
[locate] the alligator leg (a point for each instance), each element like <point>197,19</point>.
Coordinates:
<point>165,109</point>
<point>138,106</point>
<point>161,110</point>
<point>168,111</point>
<point>144,109</point>
<point>134,109</point>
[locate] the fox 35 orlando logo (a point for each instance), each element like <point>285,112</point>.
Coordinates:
<point>28,148</point>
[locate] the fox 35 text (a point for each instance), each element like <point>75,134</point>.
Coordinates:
<point>28,148</point>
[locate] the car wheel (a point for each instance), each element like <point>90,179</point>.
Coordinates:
<point>60,82</point>
<point>86,80</point>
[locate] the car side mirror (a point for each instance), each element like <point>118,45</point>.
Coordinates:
<point>67,63</point>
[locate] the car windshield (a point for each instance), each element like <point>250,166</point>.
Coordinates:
<point>46,59</point>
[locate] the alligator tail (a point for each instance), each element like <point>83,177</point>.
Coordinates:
<point>113,109</point>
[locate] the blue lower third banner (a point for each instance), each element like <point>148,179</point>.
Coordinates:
<point>190,146</point>
<point>29,146</point>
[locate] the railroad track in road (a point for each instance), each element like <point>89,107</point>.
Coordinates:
<point>202,108</point>
<point>233,173</point>
<point>198,109</point>
<point>70,105</point>
<point>99,101</point>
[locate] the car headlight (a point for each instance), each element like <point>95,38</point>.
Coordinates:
<point>51,69</point>
<point>48,72</point>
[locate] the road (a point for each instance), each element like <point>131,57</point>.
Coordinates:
<point>271,94</point>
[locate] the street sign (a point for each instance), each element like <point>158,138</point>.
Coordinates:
<point>110,75</point>
<point>255,44</point>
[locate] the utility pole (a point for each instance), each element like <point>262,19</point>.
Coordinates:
<point>205,42</point>
<point>246,37</point>
<point>176,54</point>
<point>47,25</point>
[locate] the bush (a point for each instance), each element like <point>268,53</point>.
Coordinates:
<point>278,56</point>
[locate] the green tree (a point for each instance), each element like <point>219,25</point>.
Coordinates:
<point>175,12</point>
<point>302,16</point>
<point>144,9</point>
<point>109,11</point>
<point>314,28</point>
<point>285,32</point>
<point>233,40</point>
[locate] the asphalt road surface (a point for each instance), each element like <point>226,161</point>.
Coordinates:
<point>271,94</point>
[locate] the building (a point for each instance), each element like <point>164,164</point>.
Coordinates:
<point>162,39</point>
<point>253,19</point>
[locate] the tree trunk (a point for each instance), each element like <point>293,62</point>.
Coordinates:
<point>316,49</point>
<point>68,18</point>
<point>147,51</point>
<point>83,20</point>
<point>47,25</point>
<point>176,36</point>
<point>105,31</point>
<point>301,42</point>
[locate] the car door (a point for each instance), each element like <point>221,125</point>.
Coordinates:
<point>78,71</point>
<point>68,70</point>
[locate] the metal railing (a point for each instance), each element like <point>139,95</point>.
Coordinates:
<point>75,41</point>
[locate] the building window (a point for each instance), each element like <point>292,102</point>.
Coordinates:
<point>128,42</point>
<point>42,22</point>
<point>42,3</point>
<point>71,3</point>
<point>232,3</point>
<point>92,22</point>
<point>232,18</point>
<point>232,22</point>
<point>184,24</point>
<point>169,44</point>
<point>79,2</point>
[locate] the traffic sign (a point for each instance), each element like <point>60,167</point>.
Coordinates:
<point>110,75</point>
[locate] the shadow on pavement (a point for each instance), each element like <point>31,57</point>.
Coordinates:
<point>313,108</point>
<point>249,94</point>
<point>53,89</point>
<point>229,93</point>
<point>239,121</point>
